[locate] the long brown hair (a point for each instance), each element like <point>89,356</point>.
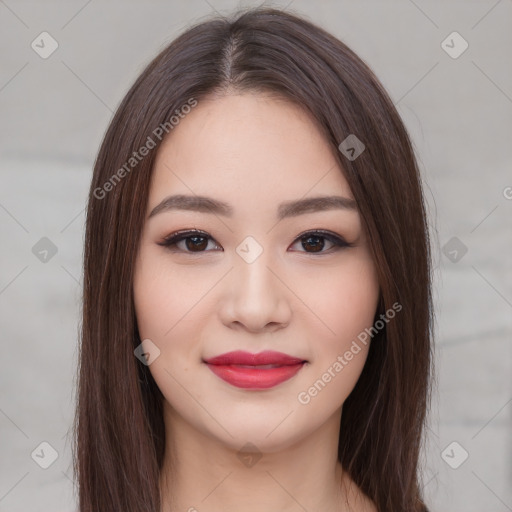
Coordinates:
<point>119,430</point>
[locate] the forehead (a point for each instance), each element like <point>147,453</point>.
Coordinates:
<point>248,146</point>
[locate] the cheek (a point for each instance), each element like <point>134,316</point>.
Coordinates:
<point>347,307</point>
<point>345,300</point>
<point>161,297</point>
<point>164,304</point>
<point>170,301</point>
<point>155,297</point>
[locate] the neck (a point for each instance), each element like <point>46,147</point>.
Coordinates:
<point>202,473</point>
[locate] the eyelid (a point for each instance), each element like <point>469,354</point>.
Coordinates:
<point>322,232</point>
<point>182,234</point>
<point>338,241</point>
<point>177,236</point>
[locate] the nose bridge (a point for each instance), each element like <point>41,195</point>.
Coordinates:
<point>253,278</point>
<point>256,295</point>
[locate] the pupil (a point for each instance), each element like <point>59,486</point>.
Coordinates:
<point>194,243</point>
<point>317,247</point>
<point>199,243</point>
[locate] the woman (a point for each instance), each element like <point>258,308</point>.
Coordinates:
<point>257,296</point>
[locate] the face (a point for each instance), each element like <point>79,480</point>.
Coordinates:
<point>253,274</point>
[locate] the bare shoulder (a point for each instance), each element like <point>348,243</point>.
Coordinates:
<point>362,503</point>
<point>367,505</point>
<point>356,498</point>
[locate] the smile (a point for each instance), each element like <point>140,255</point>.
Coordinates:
<point>255,371</point>
<point>255,377</point>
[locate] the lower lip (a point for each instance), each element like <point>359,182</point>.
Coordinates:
<point>255,378</point>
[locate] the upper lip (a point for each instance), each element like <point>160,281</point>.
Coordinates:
<point>262,358</point>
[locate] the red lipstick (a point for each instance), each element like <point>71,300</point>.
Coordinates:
<point>255,371</point>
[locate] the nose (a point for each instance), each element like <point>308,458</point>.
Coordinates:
<point>255,297</point>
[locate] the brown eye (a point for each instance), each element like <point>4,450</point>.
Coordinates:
<point>194,241</point>
<point>314,242</point>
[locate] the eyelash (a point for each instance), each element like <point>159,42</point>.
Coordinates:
<point>171,240</point>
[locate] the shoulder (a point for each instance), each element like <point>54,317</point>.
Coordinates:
<point>364,504</point>
<point>356,498</point>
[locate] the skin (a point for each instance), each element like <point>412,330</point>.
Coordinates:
<point>252,151</point>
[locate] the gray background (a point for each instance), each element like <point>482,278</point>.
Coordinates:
<point>54,112</point>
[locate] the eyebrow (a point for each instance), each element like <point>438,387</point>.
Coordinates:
<point>285,210</point>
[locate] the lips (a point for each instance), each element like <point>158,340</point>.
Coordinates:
<point>241,358</point>
<point>255,371</point>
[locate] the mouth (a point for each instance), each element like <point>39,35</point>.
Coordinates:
<point>255,371</point>
<point>257,367</point>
